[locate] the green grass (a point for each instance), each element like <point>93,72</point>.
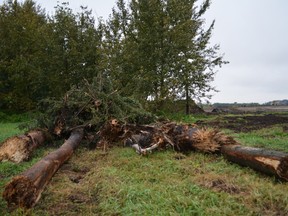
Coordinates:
<point>190,119</point>
<point>271,138</point>
<point>123,183</point>
<point>120,182</point>
<point>8,129</point>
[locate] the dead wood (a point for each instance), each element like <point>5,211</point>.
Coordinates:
<point>181,138</point>
<point>25,189</point>
<point>210,140</point>
<point>266,161</point>
<point>114,132</point>
<point>19,148</point>
<point>145,151</point>
<point>187,138</point>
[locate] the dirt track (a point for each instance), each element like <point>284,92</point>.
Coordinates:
<point>242,123</point>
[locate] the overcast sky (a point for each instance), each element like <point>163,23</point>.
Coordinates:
<point>253,34</point>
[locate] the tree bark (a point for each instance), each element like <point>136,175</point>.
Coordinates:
<point>186,138</point>
<point>187,107</point>
<point>19,148</point>
<point>266,161</point>
<point>25,190</point>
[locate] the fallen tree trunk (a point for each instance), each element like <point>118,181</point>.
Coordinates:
<point>266,161</point>
<point>19,148</point>
<point>186,138</point>
<point>25,190</point>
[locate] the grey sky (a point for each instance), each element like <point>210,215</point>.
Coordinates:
<point>253,34</point>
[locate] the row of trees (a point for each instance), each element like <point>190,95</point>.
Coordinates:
<point>149,49</point>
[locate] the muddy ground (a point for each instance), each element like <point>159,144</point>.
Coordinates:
<point>246,123</point>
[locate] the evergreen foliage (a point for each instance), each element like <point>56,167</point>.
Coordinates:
<point>21,31</point>
<point>91,105</point>
<point>43,56</point>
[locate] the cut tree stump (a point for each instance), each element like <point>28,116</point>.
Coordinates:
<point>25,189</point>
<point>266,161</point>
<point>19,148</point>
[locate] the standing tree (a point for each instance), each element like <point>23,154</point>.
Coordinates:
<point>21,33</point>
<point>195,59</point>
<point>74,49</point>
<point>121,50</point>
<point>63,51</point>
<point>169,49</point>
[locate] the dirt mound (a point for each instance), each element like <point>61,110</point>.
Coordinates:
<point>245,123</point>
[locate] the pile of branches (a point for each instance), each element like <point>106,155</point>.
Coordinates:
<point>100,115</point>
<point>89,107</point>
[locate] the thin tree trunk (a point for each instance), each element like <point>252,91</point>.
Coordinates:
<point>25,190</point>
<point>187,100</point>
<point>19,148</point>
<point>266,161</point>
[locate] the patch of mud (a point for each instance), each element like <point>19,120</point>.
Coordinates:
<point>285,128</point>
<point>179,156</point>
<point>74,174</point>
<point>221,185</point>
<point>246,123</point>
<point>79,198</point>
<point>273,208</point>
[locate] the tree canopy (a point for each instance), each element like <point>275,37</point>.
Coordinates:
<point>152,50</point>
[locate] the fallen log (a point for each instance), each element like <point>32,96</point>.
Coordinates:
<point>19,148</point>
<point>266,161</point>
<point>186,138</point>
<point>25,189</point>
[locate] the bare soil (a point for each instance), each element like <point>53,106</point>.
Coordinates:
<point>246,123</point>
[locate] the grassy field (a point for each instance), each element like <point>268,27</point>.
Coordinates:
<point>120,182</point>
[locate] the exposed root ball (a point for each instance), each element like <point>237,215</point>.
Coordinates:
<point>15,149</point>
<point>210,141</point>
<point>21,192</point>
<point>19,148</point>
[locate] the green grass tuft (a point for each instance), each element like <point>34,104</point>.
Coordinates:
<point>270,138</point>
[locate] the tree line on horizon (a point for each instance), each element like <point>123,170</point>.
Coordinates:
<point>151,50</point>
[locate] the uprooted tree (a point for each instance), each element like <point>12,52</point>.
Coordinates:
<point>98,114</point>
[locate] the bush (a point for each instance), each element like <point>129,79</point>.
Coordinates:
<point>15,117</point>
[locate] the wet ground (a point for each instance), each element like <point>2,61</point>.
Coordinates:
<point>246,123</point>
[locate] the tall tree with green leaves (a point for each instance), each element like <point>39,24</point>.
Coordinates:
<point>21,35</point>
<point>73,49</point>
<point>121,51</point>
<point>169,48</point>
<point>64,56</point>
<point>195,59</point>
<point>151,31</point>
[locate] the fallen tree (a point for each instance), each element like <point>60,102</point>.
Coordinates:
<point>185,138</point>
<point>19,148</point>
<point>263,160</point>
<point>25,189</point>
